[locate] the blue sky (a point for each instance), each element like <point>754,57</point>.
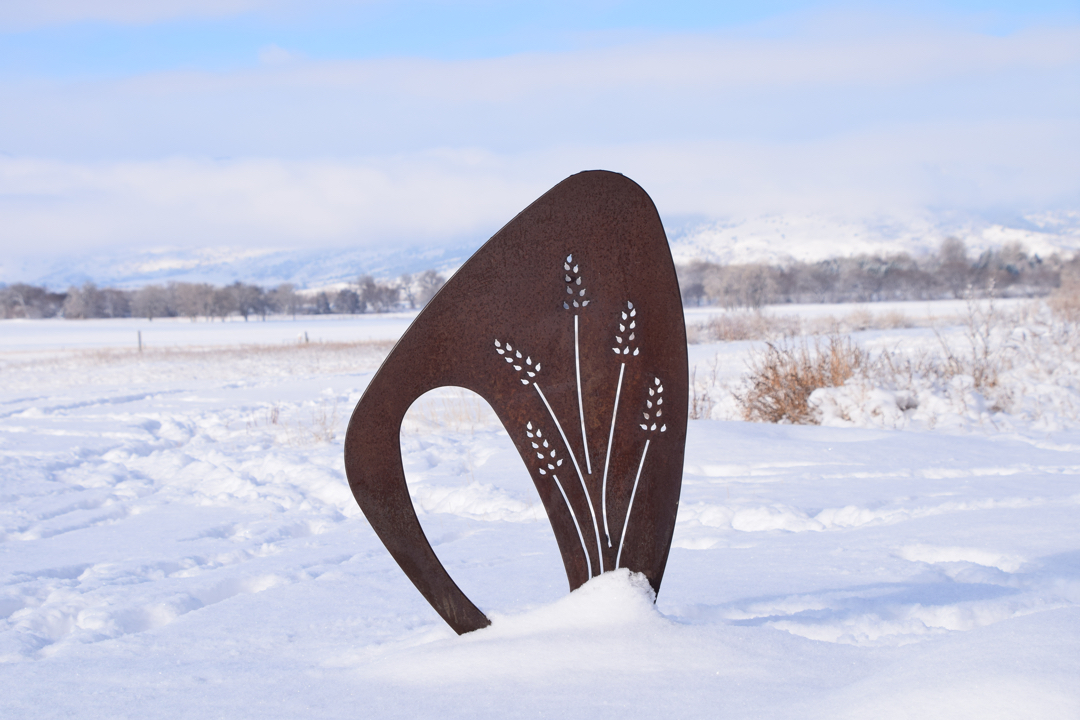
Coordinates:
<point>120,38</point>
<point>254,123</point>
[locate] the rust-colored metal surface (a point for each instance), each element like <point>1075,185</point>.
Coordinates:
<point>569,323</point>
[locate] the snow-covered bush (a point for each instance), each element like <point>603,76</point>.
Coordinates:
<point>1000,372</point>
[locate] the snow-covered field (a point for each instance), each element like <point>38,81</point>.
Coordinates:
<point>177,540</point>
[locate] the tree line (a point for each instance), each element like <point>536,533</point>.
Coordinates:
<point>948,273</point>
<point>203,300</point>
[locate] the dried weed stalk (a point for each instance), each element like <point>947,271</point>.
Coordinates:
<point>456,411</point>
<point>986,357</point>
<point>320,426</point>
<point>702,390</point>
<point>324,422</point>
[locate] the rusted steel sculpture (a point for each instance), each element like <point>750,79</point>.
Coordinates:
<point>569,323</point>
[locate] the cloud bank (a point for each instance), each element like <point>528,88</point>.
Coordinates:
<point>839,117</point>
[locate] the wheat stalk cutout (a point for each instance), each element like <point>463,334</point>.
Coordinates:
<point>577,295</point>
<point>623,350</point>
<point>522,364</point>
<point>651,414</point>
<point>541,446</point>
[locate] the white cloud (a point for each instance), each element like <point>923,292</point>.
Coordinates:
<point>658,91</point>
<point>258,202</point>
<point>381,151</point>
<point>440,196</point>
<point>698,64</point>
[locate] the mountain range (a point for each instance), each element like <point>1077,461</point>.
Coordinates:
<point>774,239</point>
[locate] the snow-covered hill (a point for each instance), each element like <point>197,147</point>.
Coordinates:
<point>305,268</point>
<point>777,238</point>
<point>773,239</point>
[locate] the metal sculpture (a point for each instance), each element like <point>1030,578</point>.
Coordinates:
<point>569,323</point>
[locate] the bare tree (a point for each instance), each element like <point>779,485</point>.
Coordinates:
<point>150,301</point>
<point>405,283</point>
<point>284,299</point>
<point>376,296</point>
<point>954,268</point>
<point>368,291</point>
<point>734,286</point>
<point>388,297</point>
<point>248,299</point>
<point>194,299</point>
<point>222,303</point>
<point>428,283</point>
<point>84,302</point>
<point>29,301</point>
<point>347,301</point>
<point>115,303</point>
<point>11,303</point>
<point>692,282</point>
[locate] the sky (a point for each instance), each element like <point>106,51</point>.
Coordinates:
<point>326,123</point>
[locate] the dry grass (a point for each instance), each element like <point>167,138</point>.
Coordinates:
<point>1065,302</point>
<point>453,409</point>
<point>745,325</point>
<point>782,377</point>
<point>192,353</point>
<point>107,366</point>
<point>324,421</point>
<point>895,320</point>
<point>296,429</point>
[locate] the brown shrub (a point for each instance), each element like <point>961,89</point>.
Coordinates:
<point>782,377</point>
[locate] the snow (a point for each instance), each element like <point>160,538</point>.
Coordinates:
<point>815,237</point>
<point>177,539</point>
<point>36,335</point>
